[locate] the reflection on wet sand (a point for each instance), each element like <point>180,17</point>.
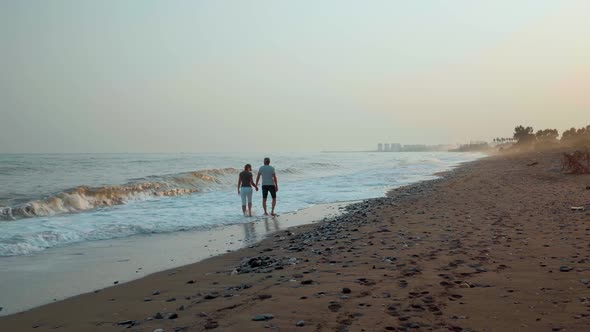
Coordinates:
<point>253,235</point>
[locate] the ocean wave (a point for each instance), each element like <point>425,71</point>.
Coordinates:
<point>85,198</point>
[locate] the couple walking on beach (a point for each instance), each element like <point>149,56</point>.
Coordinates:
<point>269,185</point>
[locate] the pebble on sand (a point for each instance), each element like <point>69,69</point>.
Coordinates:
<point>262,317</point>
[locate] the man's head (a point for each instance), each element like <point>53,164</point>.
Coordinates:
<point>267,161</point>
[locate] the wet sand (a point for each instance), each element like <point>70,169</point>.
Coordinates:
<point>58,273</point>
<point>492,246</point>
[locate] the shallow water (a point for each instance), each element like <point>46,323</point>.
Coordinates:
<point>54,200</point>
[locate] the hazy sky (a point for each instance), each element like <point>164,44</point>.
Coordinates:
<point>151,76</point>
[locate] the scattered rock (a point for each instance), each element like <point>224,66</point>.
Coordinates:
<point>334,306</point>
<point>264,296</point>
<point>307,282</point>
<point>346,290</point>
<point>190,282</point>
<point>156,292</point>
<point>127,322</point>
<point>211,296</point>
<point>158,315</point>
<point>300,323</point>
<point>172,315</point>
<point>159,330</point>
<point>172,299</point>
<point>211,325</point>
<point>262,317</point>
<point>565,268</point>
<point>116,282</point>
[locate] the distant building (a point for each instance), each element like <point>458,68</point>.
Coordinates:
<point>386,147</point>
<point>380,147</point>
<point>395,147</point>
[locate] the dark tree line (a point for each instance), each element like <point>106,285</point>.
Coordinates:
<point>576,137</point>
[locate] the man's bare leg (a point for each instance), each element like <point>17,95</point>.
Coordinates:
<point>274,202</point>
<point>249,209</point>
<point>264,206</point>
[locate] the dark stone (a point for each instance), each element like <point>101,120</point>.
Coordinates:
<point>126,322</point>
<point>190,282</point>
<point>156,292</point>
<point>346,290</point>
<point>262,317</point>
<point>211,325</point>
<point>211,296</point>
<point>172,299</point>
<point>565,268</point>
<point>307,282</point>
<point>264,296</point>
<point>147,299</point>
<point>334,306</point>
<point>158,315</point>
<point>116,282</point>
<point>172,316</point>
<point>300,323</point>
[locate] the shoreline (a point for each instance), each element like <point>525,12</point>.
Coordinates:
<point>472,251</point>
<point>59,273</point>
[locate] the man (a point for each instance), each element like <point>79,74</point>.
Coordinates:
<point>269,184</point>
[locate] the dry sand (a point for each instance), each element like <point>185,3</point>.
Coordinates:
<point>493,246</point>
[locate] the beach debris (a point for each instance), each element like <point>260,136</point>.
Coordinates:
<point>115,282</point>
<point>147,299</point>
<point>300,323</point>
<point>533,163</point>
<point>156,292</point>
<point>307,282</point>
<point>172,299</point>
<point>262,317</point>
<point>172,315</point>
<point>577,162</point>
<point>346,290</point>
<point>264,296</point>
<point>577,208</point>
<point>158,315</point>
<point>190,282</point>
<point>263,264</point>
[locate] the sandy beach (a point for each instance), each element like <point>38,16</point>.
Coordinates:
<point>491,246</point>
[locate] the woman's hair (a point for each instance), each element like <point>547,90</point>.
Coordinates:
<point>247,166</point>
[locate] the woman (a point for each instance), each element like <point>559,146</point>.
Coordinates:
<point>245,184</point>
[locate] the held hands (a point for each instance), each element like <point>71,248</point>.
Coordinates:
<point>256,187</point>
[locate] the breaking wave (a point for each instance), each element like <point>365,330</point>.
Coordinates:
<point>85,198</point>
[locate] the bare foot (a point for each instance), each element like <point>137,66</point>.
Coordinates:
<point>266,213</point>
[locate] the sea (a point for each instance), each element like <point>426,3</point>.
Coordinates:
<point>54,200</point>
